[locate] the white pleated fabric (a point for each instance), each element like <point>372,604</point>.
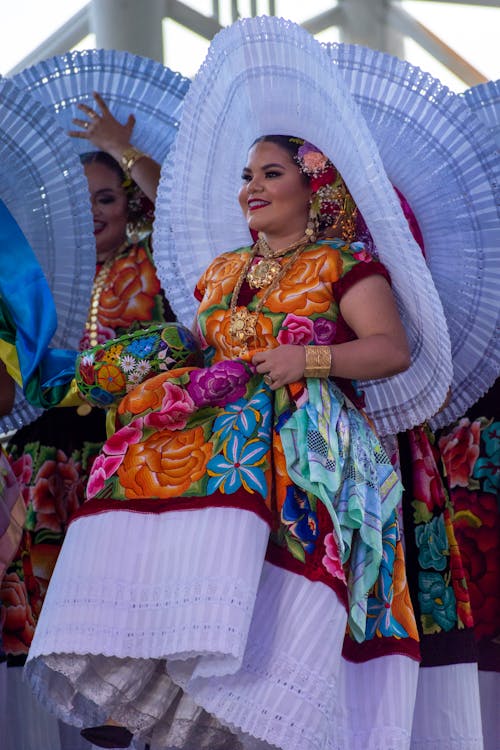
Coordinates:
<point>143,623</point>
<point>266,75</point>
<point>42,184</point>
<point>484,101</point>
<point>447,710</point>
<point>378,693</point>
<point>128,83</point>
<point>489,690</point>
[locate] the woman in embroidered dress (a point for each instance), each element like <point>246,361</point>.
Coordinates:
<point>53,455</point>
<point>225,626</point>
<point>225,443</point>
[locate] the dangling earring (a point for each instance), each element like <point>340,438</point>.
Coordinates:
<point>133,232</point>
<point>312,228</point>
<point>348,219</point>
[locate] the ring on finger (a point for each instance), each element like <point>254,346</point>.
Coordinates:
<point>268,380</point>
<point>85,125</point>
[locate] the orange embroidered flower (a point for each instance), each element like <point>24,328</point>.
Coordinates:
<point>218,335</point>
<point>111,378</point>
<point>19,624</point>
<point>148,396</point>
<point>221,276</point>
<point>281,478</point>
<point>306,288</point>
<point>402,608</point>
<point>130,292</point>
<point>165,464</point>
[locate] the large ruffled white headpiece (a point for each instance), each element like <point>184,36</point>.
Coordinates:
<point>129,84</point>
<point>444,162</point>
<point>267,75</point>
<point>42,184</point>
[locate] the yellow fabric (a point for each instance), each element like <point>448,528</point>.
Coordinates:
<point>72,397</point>
<point>8,354</point>
<point>110,420</point>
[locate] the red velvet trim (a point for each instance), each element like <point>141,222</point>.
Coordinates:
<point>240,499</point>
<point>198,295</point>
<point>357,273</point>
<point>376,647</point>
<point>280,557</point>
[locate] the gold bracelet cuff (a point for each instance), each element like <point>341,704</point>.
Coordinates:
<point>318,362</point>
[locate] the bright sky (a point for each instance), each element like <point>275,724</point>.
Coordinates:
<point>472,31</point>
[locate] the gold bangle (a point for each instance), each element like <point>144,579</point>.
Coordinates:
<point>318,362</point>
<point>129,157</point>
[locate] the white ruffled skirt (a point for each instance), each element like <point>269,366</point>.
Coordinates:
<point>176,626</point>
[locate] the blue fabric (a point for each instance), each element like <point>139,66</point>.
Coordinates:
<point>26,297</point>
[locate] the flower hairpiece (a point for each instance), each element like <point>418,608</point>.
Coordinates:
<point>331,204</point>
<point>318,167</point>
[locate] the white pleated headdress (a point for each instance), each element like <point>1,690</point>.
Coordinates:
<point>267,75</point>
<point>129,84</point>
<point>444,162</point>
<point>484,101</point>
<point>42,183</point>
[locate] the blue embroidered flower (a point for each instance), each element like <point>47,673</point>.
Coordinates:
<point>486,467</point>
<point>242,463</point>
<point>244,416</point>
<point>433,544</point>
<point>300,519</point>
<point>142,347</point>
<point>380,619</point>
<point>437,599</point>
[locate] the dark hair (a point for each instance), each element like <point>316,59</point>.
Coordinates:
<point>140,210</point>
<point>101,157</point>
<point>288,143</point>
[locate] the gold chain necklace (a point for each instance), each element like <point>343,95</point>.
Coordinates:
<point>264,272</point>
<point>243,323</point>
<point>92,324</point>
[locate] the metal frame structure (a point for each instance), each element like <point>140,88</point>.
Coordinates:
<point>136,27</point>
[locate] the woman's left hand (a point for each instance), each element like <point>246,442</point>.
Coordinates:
<point>282,365</point>
<point>102,129</point>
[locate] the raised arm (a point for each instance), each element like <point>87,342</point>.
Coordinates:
<point>104,131</point>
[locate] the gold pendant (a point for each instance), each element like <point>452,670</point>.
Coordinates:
<point>243,324</point>
<point>263,273</point>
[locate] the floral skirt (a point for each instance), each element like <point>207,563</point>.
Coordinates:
<point>239,547</point>
<point>452,530</point>
<point>51,459</point>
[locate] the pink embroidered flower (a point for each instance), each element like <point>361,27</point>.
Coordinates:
<point>58,491</point>
<point>112,455</point>
<point>427,487</point>
<point>331,561</point>
<point>23,471</point>
<point>360,252</point>
<point>296,330</point>
<point>117,444</point>
<point>102,468</point>
<point>175,409</point>
<point>460,451</point>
